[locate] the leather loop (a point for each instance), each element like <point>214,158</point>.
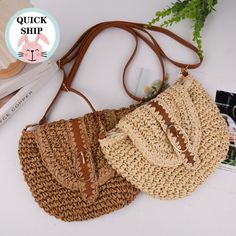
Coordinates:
<point>139,32</point>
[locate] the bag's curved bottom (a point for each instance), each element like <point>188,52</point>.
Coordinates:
<point>63,203</point>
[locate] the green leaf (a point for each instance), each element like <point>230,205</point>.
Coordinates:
<point>196,10</point>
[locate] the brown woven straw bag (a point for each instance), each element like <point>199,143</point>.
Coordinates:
<point>62,161</point>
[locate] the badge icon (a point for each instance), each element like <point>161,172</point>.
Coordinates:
<point>32,35</point>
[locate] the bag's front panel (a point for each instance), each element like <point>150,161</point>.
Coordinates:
<point>63,202</point>
<point>179,181</point>
<point>171,118</point>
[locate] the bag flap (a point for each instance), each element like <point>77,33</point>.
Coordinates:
<point>166,130</point>
<point>66,151</point>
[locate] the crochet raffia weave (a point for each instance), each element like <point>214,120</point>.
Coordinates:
<point>170,145</point>
<point>55,171</point>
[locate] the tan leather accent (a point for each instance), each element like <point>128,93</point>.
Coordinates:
<point>84,164</point>
<point>174,131</point>
<point>81,144</point>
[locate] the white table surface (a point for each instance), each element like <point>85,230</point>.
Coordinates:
<point>211,210</point>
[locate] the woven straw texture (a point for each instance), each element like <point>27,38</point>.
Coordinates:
<point>147,152</point>
<point>46,155</point>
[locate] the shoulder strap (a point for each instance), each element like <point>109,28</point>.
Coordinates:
<point>138,31</point>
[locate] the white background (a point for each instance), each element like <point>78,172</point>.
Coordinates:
<point>211,210</point>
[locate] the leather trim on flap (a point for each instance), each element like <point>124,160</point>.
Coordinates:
<point>84,167</point>
<point>175,133</point>
<point>65,152</point>
<point>176,114</point>
<point>70,151</point>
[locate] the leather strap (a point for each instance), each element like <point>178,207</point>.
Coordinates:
<point>139,32</point>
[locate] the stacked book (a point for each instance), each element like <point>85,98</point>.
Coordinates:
<point>18,87</point>
<point>16,91</point>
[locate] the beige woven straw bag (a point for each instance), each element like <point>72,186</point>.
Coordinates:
<point>170,145</point>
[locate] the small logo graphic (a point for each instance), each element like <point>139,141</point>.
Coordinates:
<point>32,35</point>
<point>32,51</point>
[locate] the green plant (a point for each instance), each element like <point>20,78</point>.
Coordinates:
<point>196,10</point>
<point>155,88</point>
